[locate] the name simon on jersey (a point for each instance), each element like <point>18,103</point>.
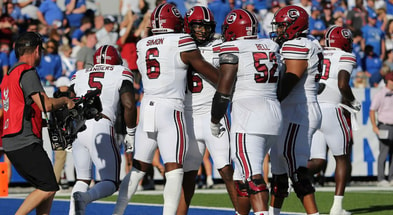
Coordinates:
<point>100,68</point>
<point>261,46</point>
<point>157,41</point>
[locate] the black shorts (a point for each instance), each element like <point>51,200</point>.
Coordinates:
<point>34,165</point>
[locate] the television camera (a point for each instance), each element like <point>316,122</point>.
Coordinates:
<point>64,124</point>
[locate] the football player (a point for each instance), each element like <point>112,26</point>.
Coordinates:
<point>298,87</point>
<point>163,60</point>
<point>249,69</point>
<point>200,24</point>
<point>96,145</point>
<point>335,131</point>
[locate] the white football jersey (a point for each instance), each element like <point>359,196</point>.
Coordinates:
<point>164,76</point>
<point>334,61</point>
<point>200,91</point>
<point>255,90</point>
<point>304,49</point>
<point>106,77</point>
<point>258,67</point>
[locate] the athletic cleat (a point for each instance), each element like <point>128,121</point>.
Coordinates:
<point>80,203</point>
<point>339,212</point>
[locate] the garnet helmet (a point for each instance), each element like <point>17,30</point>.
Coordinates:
<point>107,54</point>
<point>288,23</point>
<point>240,24</point>
<point>166,18</point>
<point>199,15</point>
<point>339,37</point>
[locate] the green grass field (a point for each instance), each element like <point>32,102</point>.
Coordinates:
<point>358,202</point>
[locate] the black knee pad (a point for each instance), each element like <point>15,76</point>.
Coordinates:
<point>302,182</point>
<point>256,186</point>
<point>241,189</point>
<point>279,186</point>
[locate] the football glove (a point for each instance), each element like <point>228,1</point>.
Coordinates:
<point>129,140</point>
<point>217,129</point>
<point>356,106</point>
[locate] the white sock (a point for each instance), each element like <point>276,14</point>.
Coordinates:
<point>101,190</point>
<point>317,213</point>
<point>78,186</point>
<point>274,211</point>
<point>172,191</point>
<point>127,189</point>
<point>262,213</point>
<point>338,202</point>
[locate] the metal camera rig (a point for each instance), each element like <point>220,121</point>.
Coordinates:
<point>64,124</point>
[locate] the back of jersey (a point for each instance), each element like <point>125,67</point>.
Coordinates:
<point>162,70</point>
<point>334,61</point>
<point>258,68</point>
<point>304,49</point>
<point>106,77</point>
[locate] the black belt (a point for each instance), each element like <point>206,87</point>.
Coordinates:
<point>386,124</point>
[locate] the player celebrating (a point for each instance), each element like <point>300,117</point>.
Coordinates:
<point>96,144</point>
<point>199,23</point>
<point>249,67</point>
<point>163,60</point>
<point>334,89</point>
<point>302,56</point>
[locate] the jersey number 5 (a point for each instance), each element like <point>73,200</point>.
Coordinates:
<point>94,80</point>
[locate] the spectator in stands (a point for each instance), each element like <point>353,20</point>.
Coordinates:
<point>50,14</point>
<point>220,8</point>
<point>370,7</point>
<point>107,35</point>
<point>67,61</point>
<point>135,6</point>
<point>317,26</point>
<point>8,27</point>
<point>371,64</point>
<point>75,10</point>
<point>14,11</point>
<point>389,35</point>
<point>327,15</point>
<point>374,36</point>
<point>84,57</point>
<point>382,18</point>
<point>78,33</point>
<point>4,65</point>
<point>28,8</point>
<point>50,67</point>
<point>266,22</point>
<point>382,125</point>
<point>127,41</point>
<point>356,18</point>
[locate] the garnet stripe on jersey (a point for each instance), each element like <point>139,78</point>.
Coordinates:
<point>295,49</point>
<point>348,58</point>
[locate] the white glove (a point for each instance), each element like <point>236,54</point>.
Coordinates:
<point>129,140</point>
<point>217,129</point>
<point>356,106</point>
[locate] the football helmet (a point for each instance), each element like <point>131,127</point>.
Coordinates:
<point>288,23</point>
<point>166,18</point>
<point>107,54</point>
<point>339,37</point>
<point>240,24</point>
<point>201,16</point>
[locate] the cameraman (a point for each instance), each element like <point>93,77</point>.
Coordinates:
<point>24,99</point>
<point>97,143</point>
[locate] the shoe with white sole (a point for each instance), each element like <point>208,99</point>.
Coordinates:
<point>339,212</point>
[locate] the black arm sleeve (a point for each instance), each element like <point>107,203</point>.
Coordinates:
<point>126,86</point>
<point>220,105</point>
<point>288,82</point>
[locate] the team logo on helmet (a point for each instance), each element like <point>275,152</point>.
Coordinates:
<point>190,12</point>
<point>176,12</point>
<point>346,33</point>
<point>231,18</point>
<point>293,14</point>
